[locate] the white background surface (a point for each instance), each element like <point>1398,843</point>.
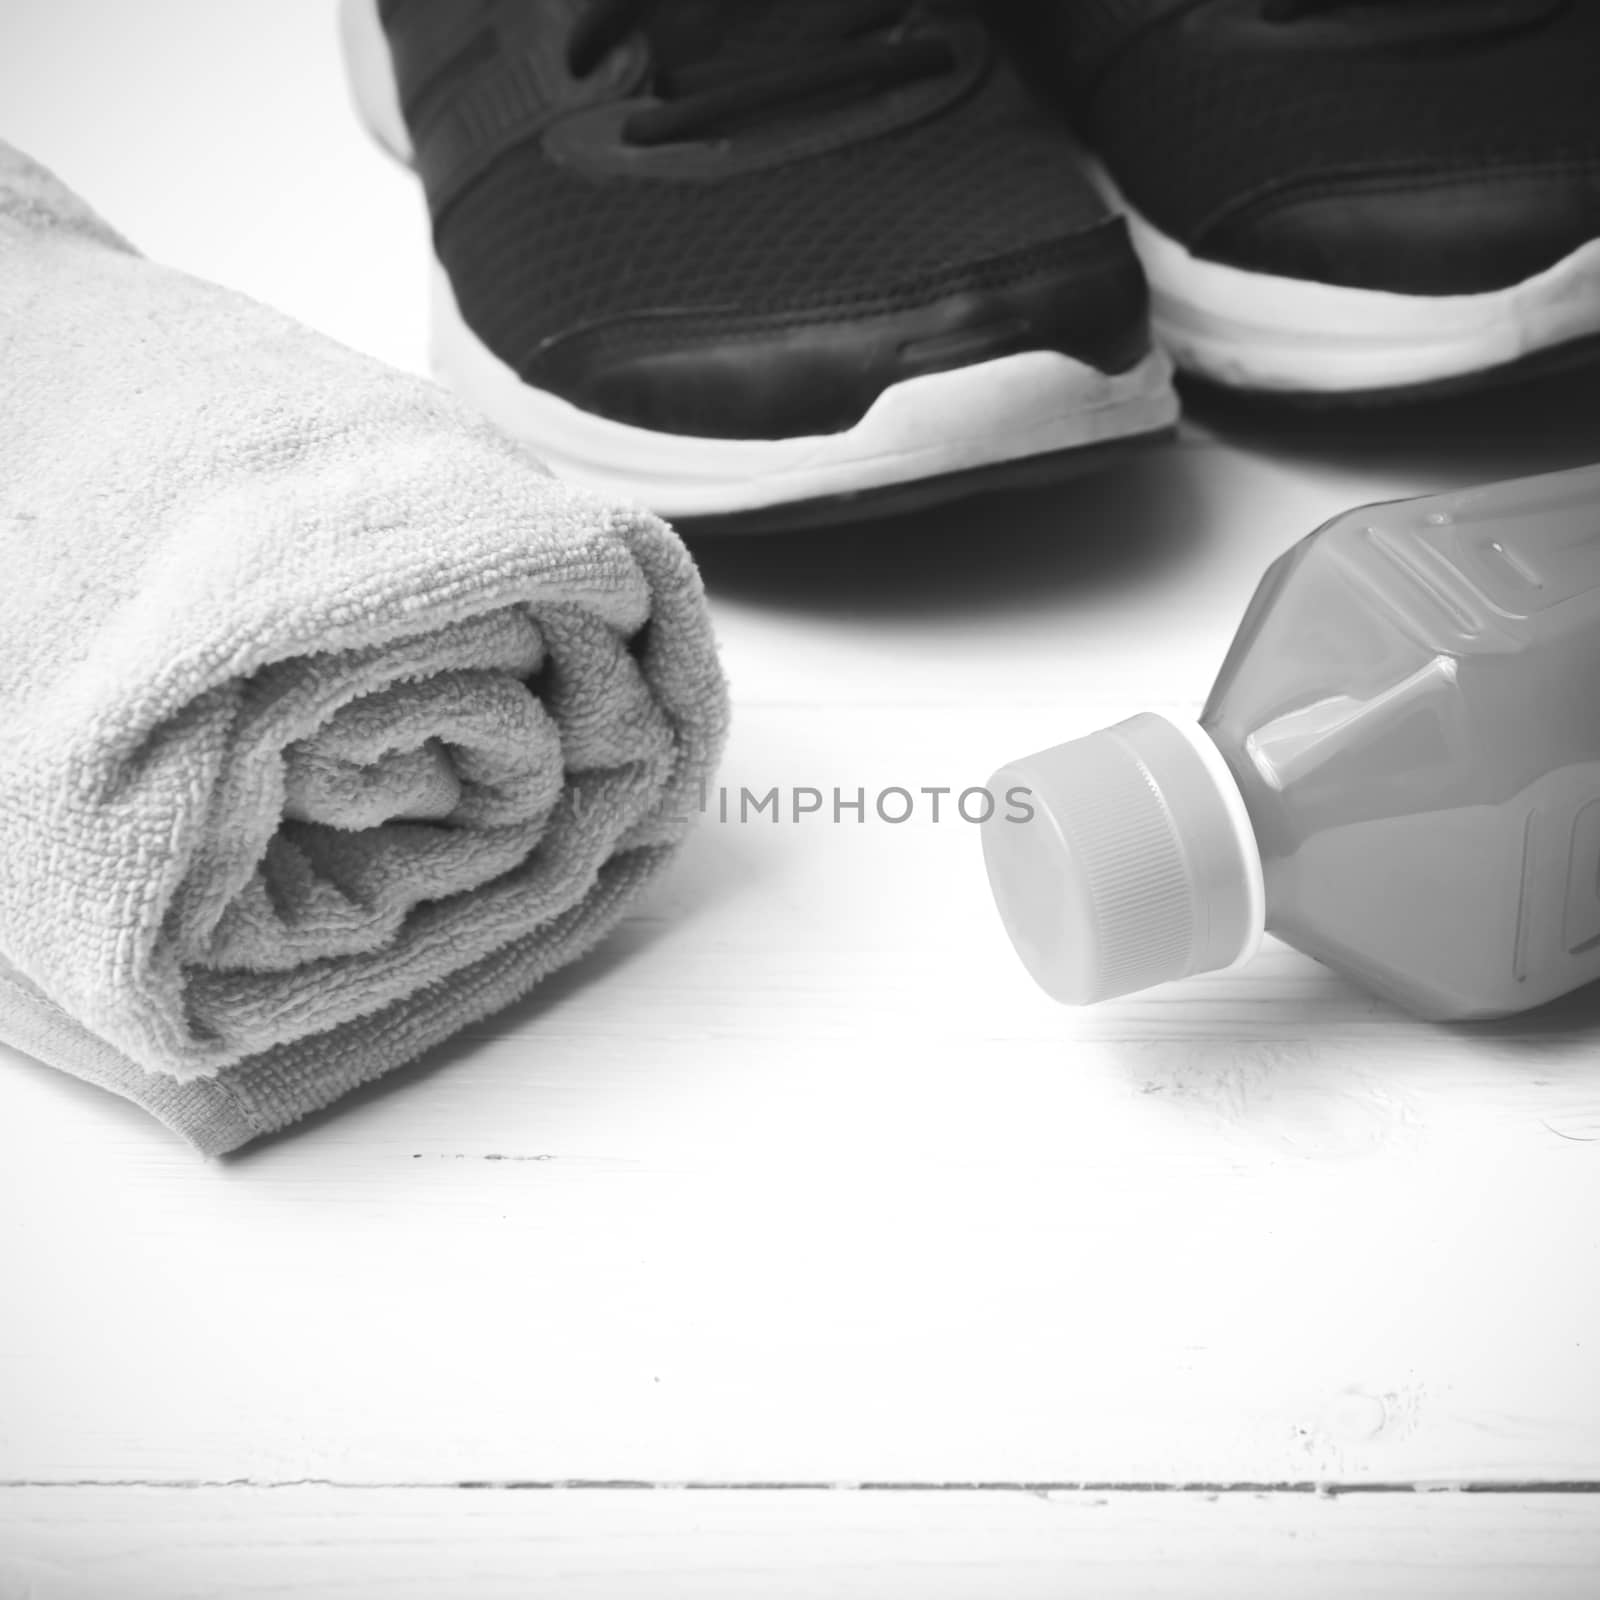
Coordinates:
<point>797,1199</point>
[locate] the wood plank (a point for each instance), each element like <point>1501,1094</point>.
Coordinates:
<point>801,1179</point>
<point>396,1544</point>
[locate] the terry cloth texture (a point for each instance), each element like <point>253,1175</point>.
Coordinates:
<point>329,721</point>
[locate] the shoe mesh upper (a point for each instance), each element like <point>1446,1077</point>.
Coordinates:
<point>536,249</point>
<point>1211,107</point>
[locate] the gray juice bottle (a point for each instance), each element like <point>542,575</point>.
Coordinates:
<point>1397,772</point>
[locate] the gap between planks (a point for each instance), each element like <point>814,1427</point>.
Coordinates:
<point>1215,1490</point>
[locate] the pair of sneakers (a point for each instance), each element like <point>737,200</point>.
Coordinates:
<point>771,262</point>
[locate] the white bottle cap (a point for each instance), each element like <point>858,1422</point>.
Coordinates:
<point>1138,864</point>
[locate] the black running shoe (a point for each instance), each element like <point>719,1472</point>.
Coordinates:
<point>759,258</point>
<point>1347,196</point>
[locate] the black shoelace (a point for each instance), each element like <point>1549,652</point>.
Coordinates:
<point>870,50</point>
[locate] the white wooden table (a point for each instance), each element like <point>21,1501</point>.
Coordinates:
<point>795,1245</point>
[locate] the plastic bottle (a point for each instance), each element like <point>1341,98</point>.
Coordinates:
<point>1397,772</point>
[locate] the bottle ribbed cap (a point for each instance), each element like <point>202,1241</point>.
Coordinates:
<point>1138,863</point>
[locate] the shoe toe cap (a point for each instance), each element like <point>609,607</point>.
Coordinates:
<point>817,370</point>
<point>1434,234</point>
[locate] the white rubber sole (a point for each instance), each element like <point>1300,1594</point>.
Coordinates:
<point>1005,410</point>
<point>1008,409</point>
<point>370,77</point>
<point>1254,330</point>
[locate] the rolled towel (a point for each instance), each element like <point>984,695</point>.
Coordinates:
<point>329,720</point>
